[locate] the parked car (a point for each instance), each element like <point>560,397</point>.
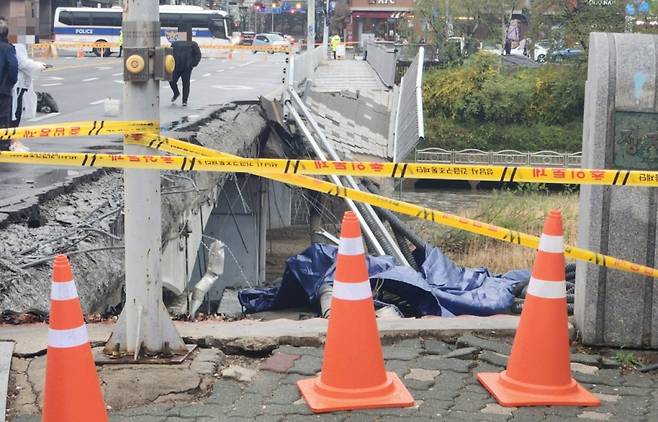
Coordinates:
<point>270,39</point>
<point>540,51</point>
<point>247,38</point>
<point>566,53</point>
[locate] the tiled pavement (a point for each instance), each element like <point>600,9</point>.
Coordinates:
<point>440,376</point>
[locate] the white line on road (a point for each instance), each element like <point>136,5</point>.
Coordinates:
<point>89,79</point>
<point>192,80</point>
<point>205,75</point>
<point>119,81</point>
<point>246,64</point>
<point>117,74</point>
<point>55,78</point>
<point>232,87</point>
<point>47,116</point>
<point>53,84</point>
<point>103,68</point>
<point>97,102</point>
<point>219,70</point>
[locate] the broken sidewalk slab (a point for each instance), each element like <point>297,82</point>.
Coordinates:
<point>31,338</point>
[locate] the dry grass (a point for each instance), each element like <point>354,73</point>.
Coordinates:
<point>523,211</point>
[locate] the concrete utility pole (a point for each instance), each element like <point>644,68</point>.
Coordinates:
<point>310,34</point>
<point>144,325</point>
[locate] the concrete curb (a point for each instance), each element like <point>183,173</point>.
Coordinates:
<point>257,336</point>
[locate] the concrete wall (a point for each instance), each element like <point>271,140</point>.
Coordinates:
<point>616,308</point>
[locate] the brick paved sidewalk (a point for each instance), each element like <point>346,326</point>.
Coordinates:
<point>440,376</point>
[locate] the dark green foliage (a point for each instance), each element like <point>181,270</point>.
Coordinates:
<point>483,105</point>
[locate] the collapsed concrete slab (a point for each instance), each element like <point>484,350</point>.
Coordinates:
<point>84,220</point>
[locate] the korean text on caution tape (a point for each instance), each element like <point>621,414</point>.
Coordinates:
<point>92,128</point>
<point>466,224</point>
<point>341,168</point>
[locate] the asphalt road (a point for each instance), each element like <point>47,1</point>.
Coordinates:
<point>80,87</point>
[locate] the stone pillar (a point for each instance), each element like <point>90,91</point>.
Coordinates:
<point>620,131</point>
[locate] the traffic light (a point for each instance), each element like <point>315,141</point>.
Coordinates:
<point>258,6</point>
<point>298,6</point>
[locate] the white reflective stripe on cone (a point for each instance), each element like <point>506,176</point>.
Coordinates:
<point>547,289</point>
<point>67,338</point>
<point>350,246</point>
<point>63,291</point>
<point>352,291</point>
<point>553,244</point>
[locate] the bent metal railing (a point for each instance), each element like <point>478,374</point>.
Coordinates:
<point>508,157</point>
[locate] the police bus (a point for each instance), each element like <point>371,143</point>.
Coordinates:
<point>86,24</point>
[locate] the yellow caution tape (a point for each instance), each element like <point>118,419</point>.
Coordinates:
<point>268,48</point>
<point>466,224</point>
<point>362,169</point>
<point>92,128</point>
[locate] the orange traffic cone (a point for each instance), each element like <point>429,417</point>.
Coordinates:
<point>353,374</point>
<point>72,392</point>
<point>538,372</point>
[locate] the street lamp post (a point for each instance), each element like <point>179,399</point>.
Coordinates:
<point>272,10</point>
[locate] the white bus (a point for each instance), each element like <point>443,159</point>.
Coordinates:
<point>87,24</point>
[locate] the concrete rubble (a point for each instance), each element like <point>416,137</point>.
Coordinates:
<point>84,220</point>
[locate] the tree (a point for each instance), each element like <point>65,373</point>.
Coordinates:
<point>465,16</point>
<point>571,21</point>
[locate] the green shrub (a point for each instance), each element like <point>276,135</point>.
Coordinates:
<point>484,105</point>
<point>455,135</point>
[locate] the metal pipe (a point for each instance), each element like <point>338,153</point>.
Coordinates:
<point>334,179</point>
<point>392,247</point>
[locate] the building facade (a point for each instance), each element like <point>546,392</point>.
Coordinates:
<point>379,18</point>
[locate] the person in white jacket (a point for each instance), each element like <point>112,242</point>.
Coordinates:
<point>24,99</point>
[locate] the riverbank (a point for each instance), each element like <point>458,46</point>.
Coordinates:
<point>520,210</point>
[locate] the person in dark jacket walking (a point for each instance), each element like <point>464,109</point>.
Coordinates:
<point>8,78</point>
<point>187,56</point>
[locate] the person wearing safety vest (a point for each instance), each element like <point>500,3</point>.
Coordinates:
<point>335,42</point>
<point>120,43</point>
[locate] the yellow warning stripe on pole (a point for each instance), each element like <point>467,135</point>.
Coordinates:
<point>337,168</point>
<point>91,128</point>
<point>473,226</point>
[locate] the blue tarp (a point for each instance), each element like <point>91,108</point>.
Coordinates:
<point>439,288</point>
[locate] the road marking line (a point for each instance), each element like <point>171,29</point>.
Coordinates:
<point>119,81</point>
<point>232,87</point>
<point>104,68</point>
<point>97,102</point>
<point>117,74</point>
<point>55,78</point>
<point>205,75</point>
<point>47,116</point>
<point>247,64</point>
<point>219,70</point>
<point>53,84</point>
<point>192,80</point>
<point>89,79</point>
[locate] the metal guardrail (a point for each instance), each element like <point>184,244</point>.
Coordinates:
<point>507,157</point>
<point>382,58</point>
<point>409,125</point>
